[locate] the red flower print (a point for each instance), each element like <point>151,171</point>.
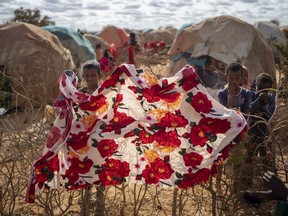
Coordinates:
<point>145,137</point>
<point>41,173</point>
<point>201,103</point>
<point>122,168</point>
<point>53,136</point>
<point>133,88</point>
<point>190,179</point>
<point>107,177</point>
<point>202,175</point>
<point>198,135</point>
<point>157,93</point>
<point>107,147</point>
<point>112,79</point>
<point>172,120</point>
<point>82,166</point>
<point>77,141</point>
<point>95,103</point>
<point>214,169</point>
<point>187,181</point>
<point>113,171</point>
<point>118,99</point>
<point>161,169</point>
<point>53,164</point>
<point>72,174</point>
<point>192,159</point>
<point>81,96</point>
<point>119,121</point>
<point>190,79</point>
<point>167,139</point>
<point>149,176</point>
<point>216,125</point>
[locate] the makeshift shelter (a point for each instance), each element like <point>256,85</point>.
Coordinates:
<point>33,60</point>
<point>224,39</point>
<point>165,35</point>
<point>96,40</point>
<point>112,34</point>
<point>273,34</point>
<point>79,46</point>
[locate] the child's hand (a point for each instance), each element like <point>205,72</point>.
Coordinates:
<point>233,88</point>
<point>263,98</point>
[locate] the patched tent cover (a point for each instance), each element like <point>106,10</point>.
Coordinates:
<point>137,129</point>
<point>273,35</point>
<point>271,32</point>
<point>165,35</point>
<point>96,40</point>
<point>33,58</point>
<point>112,34</point>
<point>226,39</point>
<point>79,46</point>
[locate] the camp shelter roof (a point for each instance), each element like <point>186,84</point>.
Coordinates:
<point>112,34</point>
<point>158,35</point>
<point>271,32</point>
<point>79,46</point>
<point>34,60</point>
<point>96,40</point>
<point>227,39</point>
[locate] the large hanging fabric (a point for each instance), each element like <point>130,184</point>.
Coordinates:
<point>135,128</point>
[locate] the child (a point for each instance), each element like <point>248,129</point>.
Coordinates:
<point>91,75</point>
<point>233,95</point>
<point>263,105</point>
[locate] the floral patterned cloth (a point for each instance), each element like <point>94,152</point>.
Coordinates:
<point>135,128</point>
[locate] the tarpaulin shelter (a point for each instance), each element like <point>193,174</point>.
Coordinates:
<point>34,59</point>
<point>165,35</point>
<point>112,34</point>
<point>273,34</point>
<point>96,40</point>
<point>79,46</point>
<point>226,39</point>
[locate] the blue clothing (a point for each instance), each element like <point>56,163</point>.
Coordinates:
<point>243,99</point>
<point>265,110</point>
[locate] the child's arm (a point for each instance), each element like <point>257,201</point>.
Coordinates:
<point>265,104</point>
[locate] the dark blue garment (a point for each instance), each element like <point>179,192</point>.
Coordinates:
<point>243,100</point>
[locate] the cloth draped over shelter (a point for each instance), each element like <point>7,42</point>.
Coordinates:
<point>135,128</point>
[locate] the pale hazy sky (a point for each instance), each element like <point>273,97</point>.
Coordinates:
<point>92,15</point>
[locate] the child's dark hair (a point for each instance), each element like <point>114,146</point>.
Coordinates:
<point>264,78</point>
<point>92,64</point>
<point>235,67</point>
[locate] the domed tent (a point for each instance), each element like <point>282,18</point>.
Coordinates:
<point>165,35</point>
<point>112,34</point>
<point>79,46</point>
<point>224,39</point>
<point>96,40</point>
<point>34,60</point>
<point>273,34</point>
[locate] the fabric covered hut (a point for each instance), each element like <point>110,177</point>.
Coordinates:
<point>79,46</point>
<point>34,60</point>
<point>224,39</point>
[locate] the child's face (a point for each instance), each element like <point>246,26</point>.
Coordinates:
<point>263,85</point>
<point>91,78</point>
<point>234,77</point>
